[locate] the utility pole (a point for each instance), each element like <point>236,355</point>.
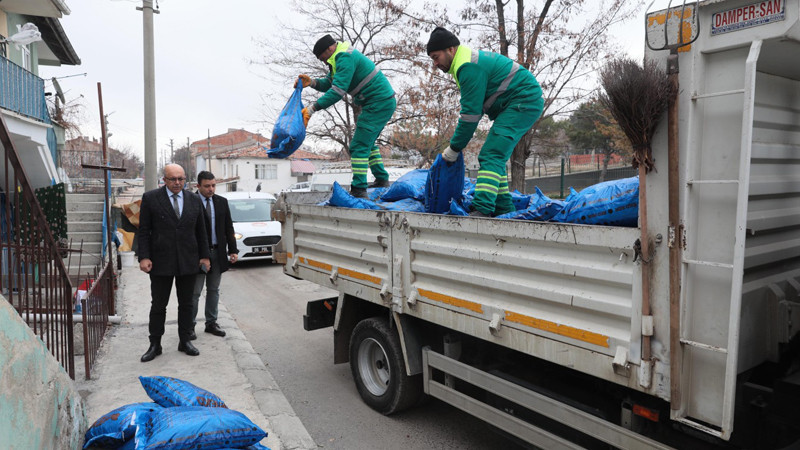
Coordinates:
<point>171,152</point>
<point>150,150</point>
<point>208,142</point>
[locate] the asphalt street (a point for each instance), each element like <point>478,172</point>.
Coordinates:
<point>268,306</point>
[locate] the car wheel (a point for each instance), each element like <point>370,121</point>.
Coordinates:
<point>376,360</point>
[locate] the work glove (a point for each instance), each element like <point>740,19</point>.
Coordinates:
<point>450,155</point>
<point>308,111</point>
<point>307,81</point>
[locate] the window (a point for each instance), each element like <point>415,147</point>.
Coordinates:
<point>266,171</point>
<point>26,57</point>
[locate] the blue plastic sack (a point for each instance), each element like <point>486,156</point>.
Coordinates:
<point>445,183</point>
<point>407,204</point>
<point>457,209</point>
<point>114,428</point>
<point>185,427</point>
<point>410,185</point>
<point>340,197</point>
<point>520,201</point>
<point>169,392</point>
<point>609,203</point>
<point>289,131</point>
<point>540,208</point>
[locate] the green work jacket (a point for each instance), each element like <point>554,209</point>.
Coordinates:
<point>351,73</point>
<point>489,83</point>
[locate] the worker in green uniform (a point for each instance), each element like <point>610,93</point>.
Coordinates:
<point>494,85</point>
<point>353,73</point>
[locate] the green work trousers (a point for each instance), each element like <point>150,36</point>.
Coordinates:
<point>491,191</point>
<point>363,152</point>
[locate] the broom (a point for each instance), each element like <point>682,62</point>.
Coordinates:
<point>637,96</point>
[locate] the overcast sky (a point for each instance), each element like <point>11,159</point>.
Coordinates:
<point>203,78</point>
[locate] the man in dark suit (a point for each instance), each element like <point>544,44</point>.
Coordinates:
<point>172,245</point>
<point>219,228</point>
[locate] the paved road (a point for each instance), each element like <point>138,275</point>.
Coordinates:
<point>269,307</point>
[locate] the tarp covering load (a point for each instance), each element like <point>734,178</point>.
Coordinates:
<point>609,203</point>
<point>289,131</point>
<point>183,416</point>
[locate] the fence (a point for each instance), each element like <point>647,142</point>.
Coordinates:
<point>22,91</point>
<point>94,307</point>
<point>32,274</point>
<point>553,184</point>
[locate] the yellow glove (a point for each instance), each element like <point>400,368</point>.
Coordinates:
<point>307,113</point>
<point>307,80</point>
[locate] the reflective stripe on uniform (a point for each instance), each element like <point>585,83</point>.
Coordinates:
<point>471,117</point>
<point>363,82</point>
<point>490,175</point>
<point>502,88</point>
<point>484,187</point>
<point>338,90</point>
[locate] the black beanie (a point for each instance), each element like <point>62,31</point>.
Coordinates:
<point>322,44</point>
<point>442,39</point>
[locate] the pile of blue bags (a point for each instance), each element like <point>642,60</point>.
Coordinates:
<point>181,416</point>
<point>441,190</point>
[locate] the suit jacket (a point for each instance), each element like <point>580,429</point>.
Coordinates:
<point>175,246</point>
<point>223,225</point>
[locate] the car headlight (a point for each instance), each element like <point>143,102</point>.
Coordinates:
<point>237,236</point>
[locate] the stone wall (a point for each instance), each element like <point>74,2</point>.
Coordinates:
<point>40,406</point>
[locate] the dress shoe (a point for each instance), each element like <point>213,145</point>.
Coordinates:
<point>379,184</point>
<point>214,329</point>
<point>188,348</point>
<point>192,335</point>
<point>151,353</point>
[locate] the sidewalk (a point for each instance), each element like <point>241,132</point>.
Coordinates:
<point>228,367</point>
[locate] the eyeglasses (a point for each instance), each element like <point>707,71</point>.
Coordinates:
<point>173,180</point>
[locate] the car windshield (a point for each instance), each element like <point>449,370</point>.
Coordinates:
<point>251,209</point>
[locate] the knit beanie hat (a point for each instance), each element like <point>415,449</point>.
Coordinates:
<point>442,39</point>
<point>322,44</point>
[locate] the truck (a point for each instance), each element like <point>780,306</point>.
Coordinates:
<point>541,329</point>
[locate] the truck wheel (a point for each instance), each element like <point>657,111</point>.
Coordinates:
<point>376,360</point>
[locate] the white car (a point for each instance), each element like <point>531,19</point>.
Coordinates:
<point>256,233</point>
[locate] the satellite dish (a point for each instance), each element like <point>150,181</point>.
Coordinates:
<point>59,92</point>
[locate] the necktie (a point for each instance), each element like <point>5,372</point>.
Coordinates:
<point>208,209</point>
<point>175,205</point>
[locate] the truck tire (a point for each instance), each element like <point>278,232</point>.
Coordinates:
<point>376,360</point>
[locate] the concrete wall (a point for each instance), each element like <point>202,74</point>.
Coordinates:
<point>40,406</point>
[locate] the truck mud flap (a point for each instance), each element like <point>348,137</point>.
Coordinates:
<point>320,314</point>
<point>574,418</point>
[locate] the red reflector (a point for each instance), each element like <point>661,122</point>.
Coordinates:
<point>647,413</point>
<point>328,305</point>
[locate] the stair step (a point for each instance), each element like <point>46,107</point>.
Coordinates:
<point>84,216</point>
<point>85,197</point>
<point>85,206</point>
<point>84,226</point>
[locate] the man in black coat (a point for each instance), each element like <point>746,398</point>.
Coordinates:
<point>172,244</point>
<point>219,227</point>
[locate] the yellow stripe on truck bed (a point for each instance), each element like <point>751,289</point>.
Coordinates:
<point>563,330</point>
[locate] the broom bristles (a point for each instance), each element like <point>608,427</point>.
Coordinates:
<point>636,95</point>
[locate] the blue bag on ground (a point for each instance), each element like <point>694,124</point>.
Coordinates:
<point>169,392</point>
<point>445,183</point>
<point>609,203</point>
<point>114,428</point>
<point>289,131</point>
<point>185,427</point>
<point>410,185</point>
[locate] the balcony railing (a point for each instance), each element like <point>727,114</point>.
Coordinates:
<point>22,92</point>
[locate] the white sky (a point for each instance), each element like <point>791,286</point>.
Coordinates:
<point>203,78</point>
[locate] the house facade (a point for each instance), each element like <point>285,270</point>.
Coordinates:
<point>22,92</point>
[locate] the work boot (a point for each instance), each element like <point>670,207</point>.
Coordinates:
<point>153,351</point>
<point>379,184</point>
<point>477,213</point>
<point>358,192</point>
<point>188,348</point>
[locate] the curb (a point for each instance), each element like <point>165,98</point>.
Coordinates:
<point>270,399</point>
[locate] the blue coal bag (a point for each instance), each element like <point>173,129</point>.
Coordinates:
<point>114,428</point>
<point>540,208</point>
<point>445,183</point>
<point>613,202</point>
<point>289,131</point>
<point>340,197</point>
<point>169,392</point>
<point>410,185</point>
<point>184,427</point>
<point>457,209</point>
<point>407,204</point>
